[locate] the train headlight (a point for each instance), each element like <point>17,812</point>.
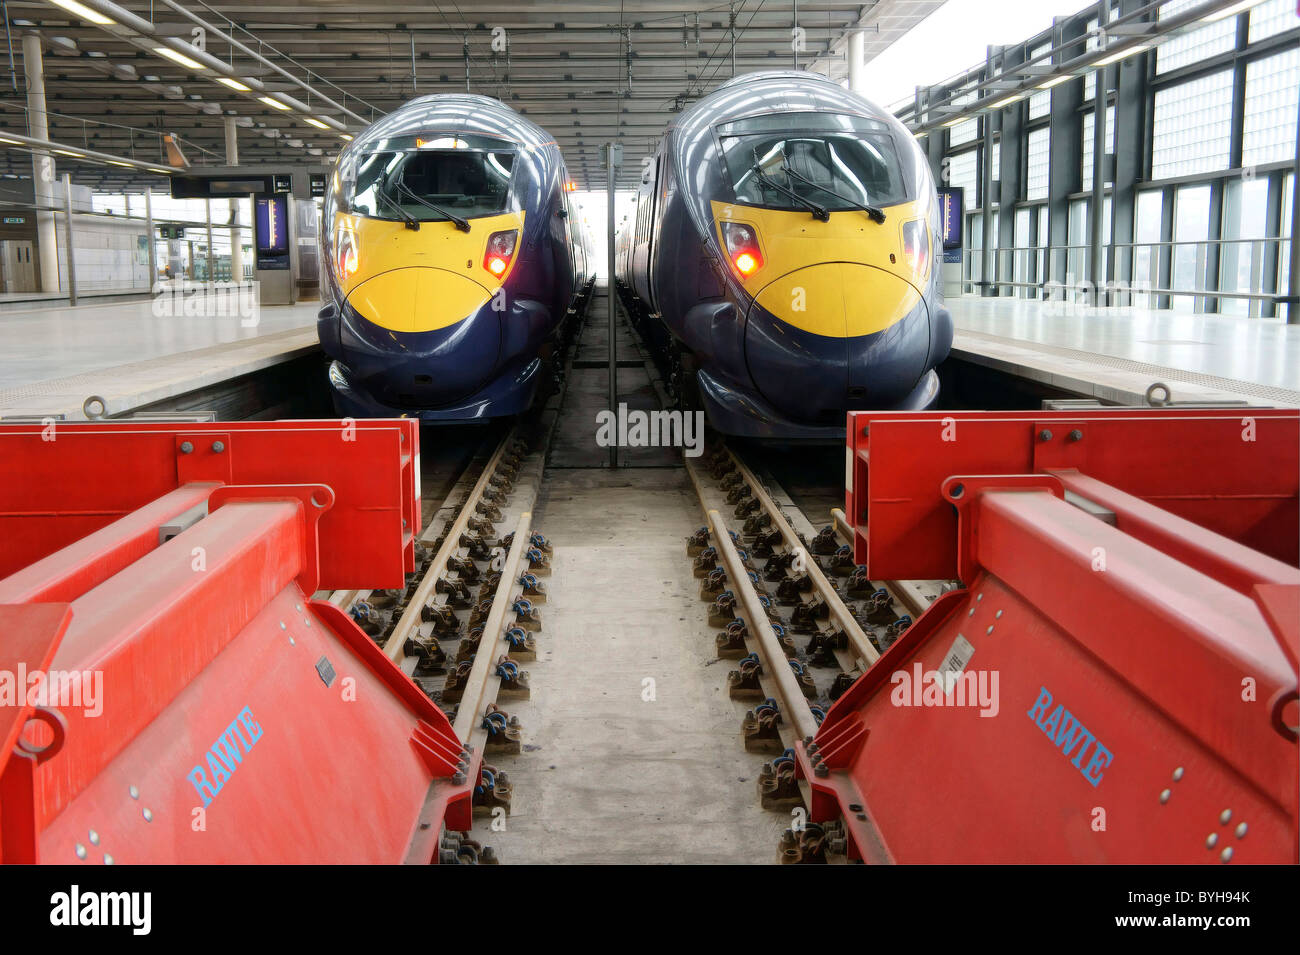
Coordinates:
<point>742,247</point>
<point>500,250</point>
<point>917,249</point>
<point>347,254</point>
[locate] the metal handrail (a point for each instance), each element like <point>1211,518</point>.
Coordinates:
<point>1161,255</point>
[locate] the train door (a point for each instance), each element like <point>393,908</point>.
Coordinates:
<point>640,253</point>
<point>571,233</point>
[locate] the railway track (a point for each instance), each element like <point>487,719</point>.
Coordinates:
<point>786,609</point>
<point>769,579</point>
<point>470,616</point>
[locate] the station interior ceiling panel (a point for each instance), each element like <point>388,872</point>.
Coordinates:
<point>588,71</point>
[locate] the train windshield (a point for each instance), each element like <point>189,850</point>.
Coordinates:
<point>836,162</point>
<point>428,181</point>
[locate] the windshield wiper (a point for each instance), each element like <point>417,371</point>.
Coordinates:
<point>410,220</point>
<point>875,213</point>
<point>819,212</point>
<point>461,224</point>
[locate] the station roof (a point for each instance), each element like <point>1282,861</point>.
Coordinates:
<point>589,71</point>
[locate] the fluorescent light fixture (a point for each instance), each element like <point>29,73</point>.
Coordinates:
<point>11,142</point>
<point>1223,14</point>
<point>233,84</point>
<point>954,122</point>
<point>1007,101</point>
<point>314,122</point>
<point>1055,81</point>
<point>346,136</point>
<point>180,58</point>
<point>1122,54</point>
<point>118,162</point>
<point>273,102</point>
<point>83,11</point>
<point>69,152</point>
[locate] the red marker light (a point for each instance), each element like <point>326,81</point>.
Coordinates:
<point>347,254</point>
<point>500,250</point>
<point>916,248</point>
<point>742,247</point>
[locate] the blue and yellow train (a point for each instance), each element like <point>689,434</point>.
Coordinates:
<point>453,254</point>
<point>783,257</point>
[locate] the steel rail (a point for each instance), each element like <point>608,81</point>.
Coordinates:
<point>410,620</point>
<point>859,641</point>
<point>491,642</point>
<point>769,648</point>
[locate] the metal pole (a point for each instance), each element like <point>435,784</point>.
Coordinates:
<point>1293,265</point>
<point>987,251</point>
<point>67,240</point>
<point>733,42</point>
<point>610,160</point>
<point>148,226</point>
<point>1098,187</point>
<point>212,254</point>
<point>236,235</point>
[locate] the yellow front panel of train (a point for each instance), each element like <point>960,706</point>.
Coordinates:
<point>839,299</point>
<point>842,278</point>
<point>418,281</point>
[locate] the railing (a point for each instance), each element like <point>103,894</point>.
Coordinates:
<point>112,266</point>
<point>1249,276</point>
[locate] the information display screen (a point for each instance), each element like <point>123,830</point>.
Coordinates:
<point>272,231</point>
<point>950,208</point>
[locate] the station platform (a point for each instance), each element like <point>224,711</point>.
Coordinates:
<point>134,355</point>
<point>1115,354</point>
<point>20,300</point>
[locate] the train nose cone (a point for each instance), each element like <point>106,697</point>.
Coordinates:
<point>834,336</point>
<point>428,336</point>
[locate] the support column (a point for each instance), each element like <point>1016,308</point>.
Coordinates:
<point>42,165</point>
<point>152,239</point>
<point>1293,259</point>
<point>988,255</point>
<point>67,238</point>
<point>1063,163</point>
<point>236,235</point>
<point>857,60</point>
<point>1096,212</point>
<point>613,157</point>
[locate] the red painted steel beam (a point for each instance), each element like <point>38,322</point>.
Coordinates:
<point>29,636</point>
<point>150,630</point>
<point>1225,560</point>
<point>1148,657</point>
<point>86,563</point>
<point>1181,639</point>
<point>1142,677</point>
<point>1236,475</point>
<point>220,714</point>
<point>55,489</point>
